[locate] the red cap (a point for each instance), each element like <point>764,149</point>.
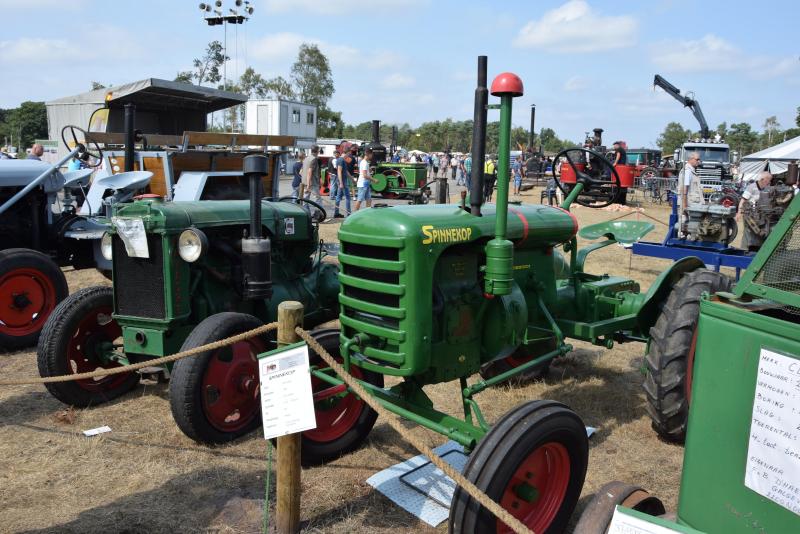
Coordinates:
<point>507,83</point>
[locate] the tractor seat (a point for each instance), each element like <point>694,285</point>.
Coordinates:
<point>625,232</point>
<point>77,179</point>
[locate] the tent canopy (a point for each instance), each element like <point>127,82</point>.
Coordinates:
<point>774,159</point>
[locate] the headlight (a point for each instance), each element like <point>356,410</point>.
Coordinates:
<point>192,244</point>
<point>106,248</point>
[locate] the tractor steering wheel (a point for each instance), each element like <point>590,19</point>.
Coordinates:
<point>307,201</point>
<point>589,182</point>
<point>84,151</point>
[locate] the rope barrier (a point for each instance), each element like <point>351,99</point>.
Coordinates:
<point>149,363</point>
<point>474,492</point>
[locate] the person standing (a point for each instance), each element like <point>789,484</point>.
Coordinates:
<point>333,179</point>
<point>689,189</point>
<point>343,177</point>
<point>516,172</point>
<point>435,160</point>
<point>311,171</point>
<point>620,154</point>
<point>454,168</point>
<point>297,177</point>
<point>37,151</point>
<point>490,177</point>
<point>750,240</point>
<point>365,181</point>
<point>468,170</point>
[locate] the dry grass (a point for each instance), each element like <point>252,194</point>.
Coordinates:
<point>145,476</point>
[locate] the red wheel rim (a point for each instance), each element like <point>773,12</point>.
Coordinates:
<point>94,334</point>
<point>335,415</point>
<point>27,297</point>
<point>230,388</point>
<point>536,491</point>
<point>690,368</point>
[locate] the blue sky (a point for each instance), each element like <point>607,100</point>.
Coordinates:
<point>584,64</point>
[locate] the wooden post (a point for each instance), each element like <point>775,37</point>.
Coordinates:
<point>287,507</point>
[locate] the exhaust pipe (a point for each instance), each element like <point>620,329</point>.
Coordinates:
<point>256,249</point>
<point>130,135</point>
<point>479,139</point>
<point>532,133</point>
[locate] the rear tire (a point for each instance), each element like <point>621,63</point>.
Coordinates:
<point>31,286</point>
<point>669,361</point>
<point>533,462</point>
<point>214,395</point>
<point>596,518</point>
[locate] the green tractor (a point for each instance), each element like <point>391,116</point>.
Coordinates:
<point>741,465</point>
<point>426,294</point>
<point>175,264</point>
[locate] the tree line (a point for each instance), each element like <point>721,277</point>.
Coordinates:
<point>23,125</point>
<point>740,135</point>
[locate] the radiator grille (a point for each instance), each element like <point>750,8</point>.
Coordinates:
<point>371,298</point>
<point>139,282</point>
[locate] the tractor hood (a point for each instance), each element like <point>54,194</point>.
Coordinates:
<point>440,226</point>
<point>286,220</point>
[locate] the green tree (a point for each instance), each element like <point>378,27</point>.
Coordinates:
<point>24,124</point>
<point>771,128</point>
<point>673,136</point>
<point>207,67</point>
<point>742,138</point>
<point>311,76</point>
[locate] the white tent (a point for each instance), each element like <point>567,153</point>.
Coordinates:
<point>774,159</point>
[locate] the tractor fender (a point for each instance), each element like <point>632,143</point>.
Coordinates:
<point>660,289</point>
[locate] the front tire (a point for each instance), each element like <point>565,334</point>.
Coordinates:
<point>533,462</point>
<point>31,286</point>
<point>78,332</point>
<point>668,383</point>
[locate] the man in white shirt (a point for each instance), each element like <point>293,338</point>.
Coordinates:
<point>365,180</point>
<point>690,190</point>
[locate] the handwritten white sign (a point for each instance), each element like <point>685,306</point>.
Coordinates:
<point>287,401</point>
<point>773,454</point>
<point>622,523</point>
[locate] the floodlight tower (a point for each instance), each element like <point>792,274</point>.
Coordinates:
<point>233,17</point>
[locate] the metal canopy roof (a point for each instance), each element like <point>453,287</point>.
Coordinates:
<point>154,94</point>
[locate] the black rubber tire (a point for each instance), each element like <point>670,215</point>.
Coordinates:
<point>596,517</point>
<point>670,345</point>
<point>496,367</point>
<point>185,388</point>
<point>318,452</point>
<point>498,455</point>
<point>20,258</point>
<point>57,333</point>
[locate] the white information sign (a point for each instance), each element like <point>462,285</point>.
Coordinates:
<point>773,455</point>
<point>132,233</point>
<point>622,523</point>
<point>287,401</point>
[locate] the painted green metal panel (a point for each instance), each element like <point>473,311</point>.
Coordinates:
<point>713,495</point>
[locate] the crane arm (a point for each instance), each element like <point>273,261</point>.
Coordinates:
<point>690,103</point>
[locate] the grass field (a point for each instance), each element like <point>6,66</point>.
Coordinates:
<point>146,476</point>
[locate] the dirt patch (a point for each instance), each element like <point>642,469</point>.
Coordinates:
<point>146,476</point>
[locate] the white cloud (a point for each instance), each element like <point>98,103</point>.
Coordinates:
<point>712,53</point>
<point>576,27</point>
<point>27,49</point>
<point>576,83</point>
<point>326,7</point>
<point>398,81</point>
<point>283,47</point>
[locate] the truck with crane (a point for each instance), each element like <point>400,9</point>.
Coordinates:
<point>715,154</point>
